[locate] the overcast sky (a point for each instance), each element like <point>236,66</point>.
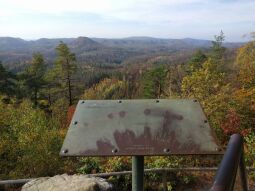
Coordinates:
<point>33,19</point>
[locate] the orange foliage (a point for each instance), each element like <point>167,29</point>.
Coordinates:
<point>70,114</point>
<point>232,124</point>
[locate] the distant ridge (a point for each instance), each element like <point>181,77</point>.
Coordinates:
<point>17,52</point>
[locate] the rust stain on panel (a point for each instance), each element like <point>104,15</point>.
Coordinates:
<point>110,115</point>
<point>139,127</point>
<point>122,113</point>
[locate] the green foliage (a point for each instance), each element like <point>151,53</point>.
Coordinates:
<point>106,89</point>
<point>250,143</point>
<point>217,50</point>
<point>7,82</point>
<point>175,75</point>
<point>30,138</point>
<point>29,143</point>
<point>96,77</point>
<point>163,162</point>
<point>196,62</point>
<point>64,70</point>
<point>244,96</point>
<point>203,83</point>
<point>174,179</point>
<point>89,165</point>
<point>187,179</point>
<point>209,86</point>
<point>154,82</point>
<point>117,164</point>
<point>228,101</point>
<point>114,164</point>
<point>65,60</point>
<point>59,110</point>
<point>245,60</point>
<point>34,76</point>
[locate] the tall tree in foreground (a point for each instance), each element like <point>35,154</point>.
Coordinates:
<point>245,91</point>
<point>217,50</point>
<point>65,67</point>
<point>34,75</point>
<point>209,86</point>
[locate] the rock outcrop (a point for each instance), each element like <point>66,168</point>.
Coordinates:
<point>67,183</point>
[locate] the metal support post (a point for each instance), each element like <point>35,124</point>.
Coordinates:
<point>164,180</point>
<point>233,158</point>
<point>137,173</point>
<point>243,174</point>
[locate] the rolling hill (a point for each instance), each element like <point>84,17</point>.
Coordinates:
<point>16,53</point>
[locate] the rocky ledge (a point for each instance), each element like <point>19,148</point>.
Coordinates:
<point>67,183</point>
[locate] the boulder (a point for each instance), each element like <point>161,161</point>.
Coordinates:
<point>67,183</point>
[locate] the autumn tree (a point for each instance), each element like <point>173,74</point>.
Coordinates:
<point>65,68</point>
<point>175,75</point>
<point>245,61</point>
<point>203,83</point>
<point>131,77</point>
<point>106,89</point>
<point>228,102</point>
<point>208,85</point>
<point>29,142</point>
<point>244,95</point>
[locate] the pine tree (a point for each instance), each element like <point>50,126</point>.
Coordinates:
<point>34,76</point>
<point>65,67</point>
<point>217,50</point>
<point>154,82</point>
<point>7,82</point>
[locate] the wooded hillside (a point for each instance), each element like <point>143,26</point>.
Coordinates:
<point>36,105</point>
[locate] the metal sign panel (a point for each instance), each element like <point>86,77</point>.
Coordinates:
<point>138,127</point>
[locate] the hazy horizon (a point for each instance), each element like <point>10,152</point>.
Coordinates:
<point>127,37</point>
<point>169,19</point>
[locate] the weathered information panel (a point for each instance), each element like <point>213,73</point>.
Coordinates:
<point>138,127</point>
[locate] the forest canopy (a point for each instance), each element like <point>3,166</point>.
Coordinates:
<point>37,104</point>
